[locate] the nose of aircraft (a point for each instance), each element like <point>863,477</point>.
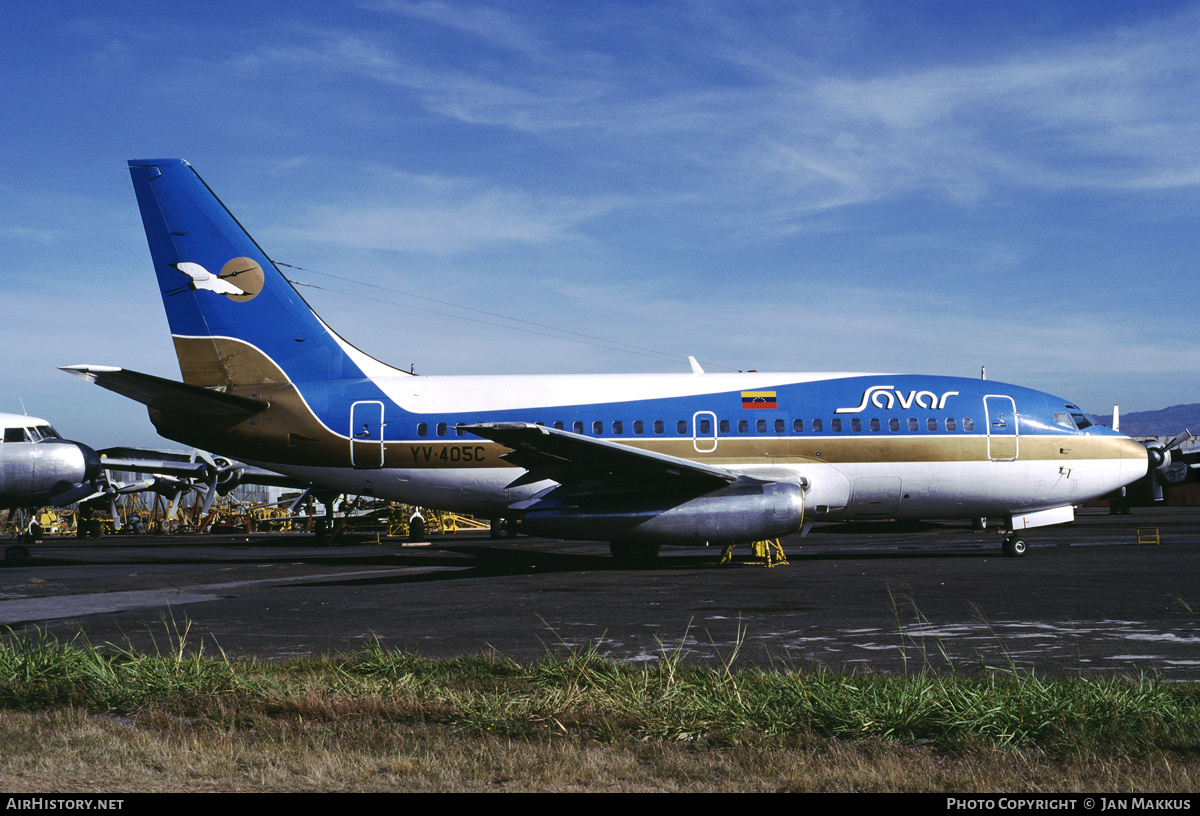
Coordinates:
<point>65,462</point>
<point>1135,459</point>
<point>53,471</point>
<point>91,463</point>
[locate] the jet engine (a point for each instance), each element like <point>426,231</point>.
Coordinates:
<point>747,510</point>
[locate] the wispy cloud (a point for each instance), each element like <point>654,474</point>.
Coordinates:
<point>1111,111</point>
<point>432,214</point>
<point>485,24</point>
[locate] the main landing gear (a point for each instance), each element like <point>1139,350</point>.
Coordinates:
<point>1014,546</point>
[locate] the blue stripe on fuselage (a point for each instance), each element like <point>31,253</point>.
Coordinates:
<point>918,397</point>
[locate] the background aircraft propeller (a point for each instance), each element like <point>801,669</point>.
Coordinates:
<point>1161,465</point>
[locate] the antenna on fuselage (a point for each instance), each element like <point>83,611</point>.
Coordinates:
<point>1116,426</point>
<point>983,372</point>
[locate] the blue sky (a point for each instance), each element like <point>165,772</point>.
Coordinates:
<point>905,187</point>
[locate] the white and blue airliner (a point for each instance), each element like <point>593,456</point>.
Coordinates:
<point>635,459</point>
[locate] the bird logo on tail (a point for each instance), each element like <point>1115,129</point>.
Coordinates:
<point>248,272</point>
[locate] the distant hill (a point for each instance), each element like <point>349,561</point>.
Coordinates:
<point>1163,422</point>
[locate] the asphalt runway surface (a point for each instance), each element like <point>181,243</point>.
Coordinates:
<point>865,597</point>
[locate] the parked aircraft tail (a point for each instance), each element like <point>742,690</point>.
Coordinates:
<point>255,359</point>
<point>235,318</point>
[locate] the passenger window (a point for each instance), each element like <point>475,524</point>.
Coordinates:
<point>950,424</point>
<point>913,425</point>
<point>706,426</point>
<point>760,426</point>
<point>618,427</point>
<point>441,429</point>
<point>724,426</point>
<point>658,426</point>
<point>681,426</point>
<point>931,424</point>
<point>893,424</point>
<point>743,425</point>
<point>638,427</point>
<point>558,426</point>
<point>797,426</point>
<point>835,425</point>
<point>968,424</point>
<point>856,425</point>
<point>779,426</point>
<point>422,429</point>
<point>874,423</point>
<point>577,427</point>
<point>598,428</point>
<point>817,426</point>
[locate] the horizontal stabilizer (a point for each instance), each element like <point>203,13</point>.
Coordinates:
<point>167,395</point>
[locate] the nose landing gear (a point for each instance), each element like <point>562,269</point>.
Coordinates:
<point>1014,546</point>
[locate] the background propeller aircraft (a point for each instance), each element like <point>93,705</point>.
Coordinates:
<point>1172,457</point>
<point>38,467</point>
<point>637,460</point>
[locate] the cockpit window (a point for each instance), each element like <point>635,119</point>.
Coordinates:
<point>14,434</point>
<point>1072,420</point>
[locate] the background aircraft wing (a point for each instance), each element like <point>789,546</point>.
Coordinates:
<point>173,472</point>
<point>137,460</point>
<point>581,463</point>
<point>198,465</point>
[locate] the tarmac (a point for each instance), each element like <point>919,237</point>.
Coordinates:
<point>864,597</point>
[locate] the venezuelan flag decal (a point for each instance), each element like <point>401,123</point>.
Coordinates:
<point>759,399</point>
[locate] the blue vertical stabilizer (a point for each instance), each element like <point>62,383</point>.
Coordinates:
<point>216,282</point>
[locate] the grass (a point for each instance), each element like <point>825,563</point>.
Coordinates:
<point>387,720</point>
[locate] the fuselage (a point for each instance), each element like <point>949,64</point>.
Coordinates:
<point>866,445</point>
<point>39,467</point>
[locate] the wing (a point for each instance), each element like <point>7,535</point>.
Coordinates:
<point>198,465</point>
<point>582,464</point>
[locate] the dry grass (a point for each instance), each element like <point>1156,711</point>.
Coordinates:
<point>72,751</point>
